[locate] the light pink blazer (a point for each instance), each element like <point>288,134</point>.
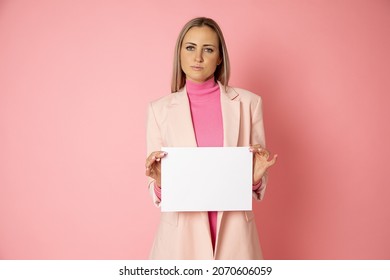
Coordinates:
<point>186,235</point>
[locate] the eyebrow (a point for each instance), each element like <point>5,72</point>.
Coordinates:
<point>205,45</point>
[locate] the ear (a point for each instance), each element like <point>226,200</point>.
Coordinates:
<point>219,61</point>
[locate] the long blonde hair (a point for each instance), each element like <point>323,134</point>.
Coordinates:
<point>222,73</point>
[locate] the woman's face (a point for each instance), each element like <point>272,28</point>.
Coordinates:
<point>199,54</point>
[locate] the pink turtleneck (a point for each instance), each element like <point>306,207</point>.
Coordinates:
<point>205,104</point>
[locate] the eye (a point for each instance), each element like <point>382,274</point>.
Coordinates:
<point>190,48</point>
<point>209,50</point>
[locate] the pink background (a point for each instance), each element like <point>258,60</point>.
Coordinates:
<point>75,80</point>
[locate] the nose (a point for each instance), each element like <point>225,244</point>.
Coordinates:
<point>199,56</point>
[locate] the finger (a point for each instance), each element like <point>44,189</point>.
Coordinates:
<point>149,164</point>
<point>254,147</point>
<point>272,161</point>
<point>261,155</point>
<point>149,161</point>
<point>257,149</point>
<point>151,168</point>
<point>263,152</point>
<point>147,172</point>
<point>152,172</point>
<point>152,158</point>
<point>160,154</point>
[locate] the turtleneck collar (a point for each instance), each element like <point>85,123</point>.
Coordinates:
<point>200,92</point>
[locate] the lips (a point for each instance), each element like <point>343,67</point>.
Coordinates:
<point>196,68</point>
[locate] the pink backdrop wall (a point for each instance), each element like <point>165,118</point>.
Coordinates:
<point>75,80</point>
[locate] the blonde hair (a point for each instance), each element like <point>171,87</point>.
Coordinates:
<point>222,73</point>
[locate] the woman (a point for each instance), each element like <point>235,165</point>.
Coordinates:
<point>204,111</point>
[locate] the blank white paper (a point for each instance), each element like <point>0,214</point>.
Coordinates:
<point>206,179</point>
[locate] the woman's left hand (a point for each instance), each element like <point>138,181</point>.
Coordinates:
<point>260,162</point>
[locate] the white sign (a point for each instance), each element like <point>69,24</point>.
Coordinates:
<point>206,179</point>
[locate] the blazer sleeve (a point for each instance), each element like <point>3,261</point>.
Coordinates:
<point>153,143</point>
<point>258,137</point>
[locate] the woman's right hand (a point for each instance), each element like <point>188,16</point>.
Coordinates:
<point>153,166</point>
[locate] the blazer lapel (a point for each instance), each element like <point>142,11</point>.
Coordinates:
<point>230,105</point>
<point>180,125</point>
